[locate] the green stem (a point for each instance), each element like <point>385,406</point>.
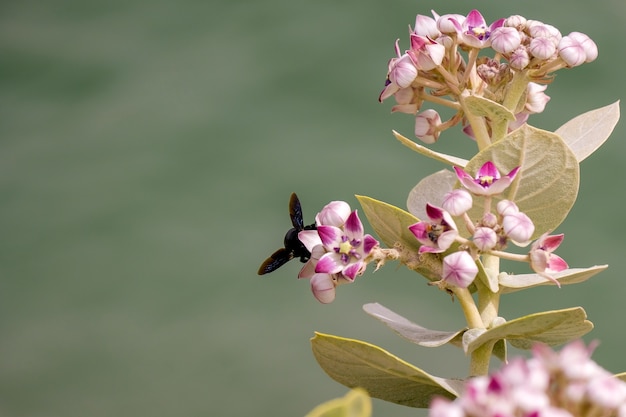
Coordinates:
<point>480,359</point>
<point>516,90</point>
<point>489,302</point>
<point>479,126</point>
<point>472,315</point>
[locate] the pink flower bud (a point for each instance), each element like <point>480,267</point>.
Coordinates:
<point>334,213</point>
<point>485,238</point>
<point>426,26</point>
<point>519,58</point>
<point>426,123</point>
<point>445,23</point>
<point>515,21</point>
<point>542,48</point>
<point>505,39</point>
<point>403,72</point>
<point>459,269</point>
<point>506,207</point>
<point>536,99</point>
<point>323,288</point>
<point>571,51</point>
<point>518,227</point>
<point>589,46</point>
<point>457,202</point>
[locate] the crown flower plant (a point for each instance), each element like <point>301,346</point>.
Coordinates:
<point>463,224</point>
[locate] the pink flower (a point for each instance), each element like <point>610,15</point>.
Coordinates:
<point>346,249</point>
<point>487,181</point>
<point>542,260</point>
<point>436,235</point>
<point>426,123</point>
<point>474,32</point>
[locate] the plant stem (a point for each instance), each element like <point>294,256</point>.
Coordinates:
<point>479,126</point>
<point>480,358</point>
<point>472,315</point>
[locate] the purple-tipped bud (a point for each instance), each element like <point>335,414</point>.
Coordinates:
<point>457,202</point>
<point>426,123</point>
<point>505,39</point>
<point>485,238</point>
<point>518,227</point>
<point>459,269</point>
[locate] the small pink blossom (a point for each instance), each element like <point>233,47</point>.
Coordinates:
<point>536,99</point>
<point>459,269</point>
<point>474,32</point>
<point>542,260</point>
<point>426,26</point>
<point>425,53</point>
<point>435,235</point>
<point>426,124</point>
<point>346,249</point>
<point>487,181</point>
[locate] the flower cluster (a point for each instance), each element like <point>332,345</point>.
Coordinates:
<point>558,384</point>
<point>491,233</point>
<point>339,249</point>
<point>495,54</point>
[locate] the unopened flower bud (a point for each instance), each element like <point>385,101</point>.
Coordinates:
<point>485,238</point>
<point>506,207</point>
<point>542,48</point>
<point>426,123</point>
<point>588,45</point>
<point>426,26</point>
<point>518,227</point>
<point>457,202</point>
<point>536,99</point>
<point>403,72</point>
<point>571,51</point>
<point>334,213</point>
<point>515,21</point>
<point>459,269</point>
<point>519,58</point>
<point>489,220</point>
<point>505,39</point>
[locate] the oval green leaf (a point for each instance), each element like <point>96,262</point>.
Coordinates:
<point>355,363</point>
<point>546,186</point>
<point>587,132</point>
<point>550,327</point>
<point>511,282</point>
<point>390,223</point>
<point>411,331</point>
<point>441,157</point>
<point>356,403</point>
<point>483,107</point>
<point>430,189</point>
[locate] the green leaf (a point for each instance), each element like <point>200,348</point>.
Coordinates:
<point>355,363</point>
<point>430,189</point>
<point>511,283</point>
<point>483,107</point>
<point>441,157</point>
<point>546,186</point>
<point>411,331</point>
<point>587,132</point>
<point>550,327</point>
<point>356,403</point>
<point>390,223</point>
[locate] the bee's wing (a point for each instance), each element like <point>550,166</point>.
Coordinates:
<point>275,261</point>
<point>295,212</point>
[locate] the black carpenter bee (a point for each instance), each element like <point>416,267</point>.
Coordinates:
<point>293,247</point>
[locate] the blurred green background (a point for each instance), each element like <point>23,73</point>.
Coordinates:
<point>147,154</point>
